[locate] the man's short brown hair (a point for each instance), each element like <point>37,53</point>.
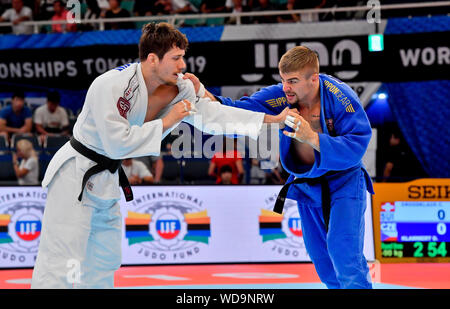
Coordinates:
<point>298,58</point>
<point>159,39</point>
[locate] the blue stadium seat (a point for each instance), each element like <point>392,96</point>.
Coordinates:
<point>4,145</point>
<point>195,170</point>
<point>171,172</point>
<point>53,142</point>
<point>6,168</point>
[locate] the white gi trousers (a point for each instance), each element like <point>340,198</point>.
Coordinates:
<point>80,245</point>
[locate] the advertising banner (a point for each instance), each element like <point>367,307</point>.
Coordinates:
<point>254,61</point>
<point>176,225</point>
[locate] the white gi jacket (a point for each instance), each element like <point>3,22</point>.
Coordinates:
<point>114,127</point>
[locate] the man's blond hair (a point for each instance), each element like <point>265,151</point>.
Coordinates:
<point>298,58</point>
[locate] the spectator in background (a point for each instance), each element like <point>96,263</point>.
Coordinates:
<point>16,118</point>
<point>183,7</point>
<point>143,8</point>
<point>27,172</point>
<point>157,168</point>
<point>303,5</point>
<point>61,14</point>
<point>93,11</point>
<point>257,175</point>
<point>162,7</point>
<point>213,6</point>
<point>233,158</point>
<point>149,8</point>
<point>44,9</point>
<point>17,15</point>
<point>115,11</point>
<point>103,4</point>
<point>237,6</point>
<point>226,175</point>
<point>137,172</point>
<point>50,119</point>
<point>263,5</point>
<point>401,164</point>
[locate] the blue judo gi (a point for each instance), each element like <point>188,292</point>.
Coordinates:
<point>337,254</point>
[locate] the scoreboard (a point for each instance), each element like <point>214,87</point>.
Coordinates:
<point>412,221</point>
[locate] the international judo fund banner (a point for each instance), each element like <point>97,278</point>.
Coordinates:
<point>214,224</point>
<point>21,211</point>
<point>176,225</point>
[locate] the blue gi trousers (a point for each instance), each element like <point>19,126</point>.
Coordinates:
<point>338,255</point>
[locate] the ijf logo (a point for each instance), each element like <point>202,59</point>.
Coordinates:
<point>20,228</point>
<point>168,230</point>
<point>282,232</point>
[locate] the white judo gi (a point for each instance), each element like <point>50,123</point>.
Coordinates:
<point>80,244</point>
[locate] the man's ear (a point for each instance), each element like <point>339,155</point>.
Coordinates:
<point>315,77</point>
<point>153,59</point>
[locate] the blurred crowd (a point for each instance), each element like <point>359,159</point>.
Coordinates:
<point>18,11</point>
<point>30,134</point>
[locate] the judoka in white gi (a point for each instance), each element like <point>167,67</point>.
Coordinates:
<point>127,112</point>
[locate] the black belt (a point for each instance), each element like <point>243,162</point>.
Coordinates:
<point>103,163</point>
<point>326,199</point>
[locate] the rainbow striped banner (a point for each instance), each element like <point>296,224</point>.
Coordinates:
<point>270,225</point>
<point>137,227</point>
<point>198,226</point>
<point>4,235</point>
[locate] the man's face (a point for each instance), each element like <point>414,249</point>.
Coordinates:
<point>170,65</point>
<point>17,5</point>
<point>17,104</point>
<point>113,4</point>
<point>57,7</point>
<point>52,106</point>
<point>226,177</point>
<point>297,86</point>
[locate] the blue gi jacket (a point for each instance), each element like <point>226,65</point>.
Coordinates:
<point>346,135</point>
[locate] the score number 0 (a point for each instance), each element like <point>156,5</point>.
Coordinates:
<point>434,249</point>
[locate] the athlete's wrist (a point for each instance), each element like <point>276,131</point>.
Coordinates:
<point>314,141</point>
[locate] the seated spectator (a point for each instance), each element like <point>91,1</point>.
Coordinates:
<point>401,163</point>
<point>27,172</point>
<point>143,8</point>
<point>17,15</point>
<point>137,172</point>
<point>214,6</point>
<point>263,5</point>
<point>61,15</point>
<point>93,11</point>
<point>233,6</point>
<point>16,118</point>
<point>226,175</point>
<point>149,8</point>
<point>50,119</point>
<point>157,168</point>
<point>115,11</point>
<point>302,5</point>
<point>277,175</point>
<point>257,175</point>
<point>44,9</point>
<point>183,7</point>
<point>233,158</point>
<point>103,4</point>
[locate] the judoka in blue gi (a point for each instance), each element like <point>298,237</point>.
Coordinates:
<point>322,147</point>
